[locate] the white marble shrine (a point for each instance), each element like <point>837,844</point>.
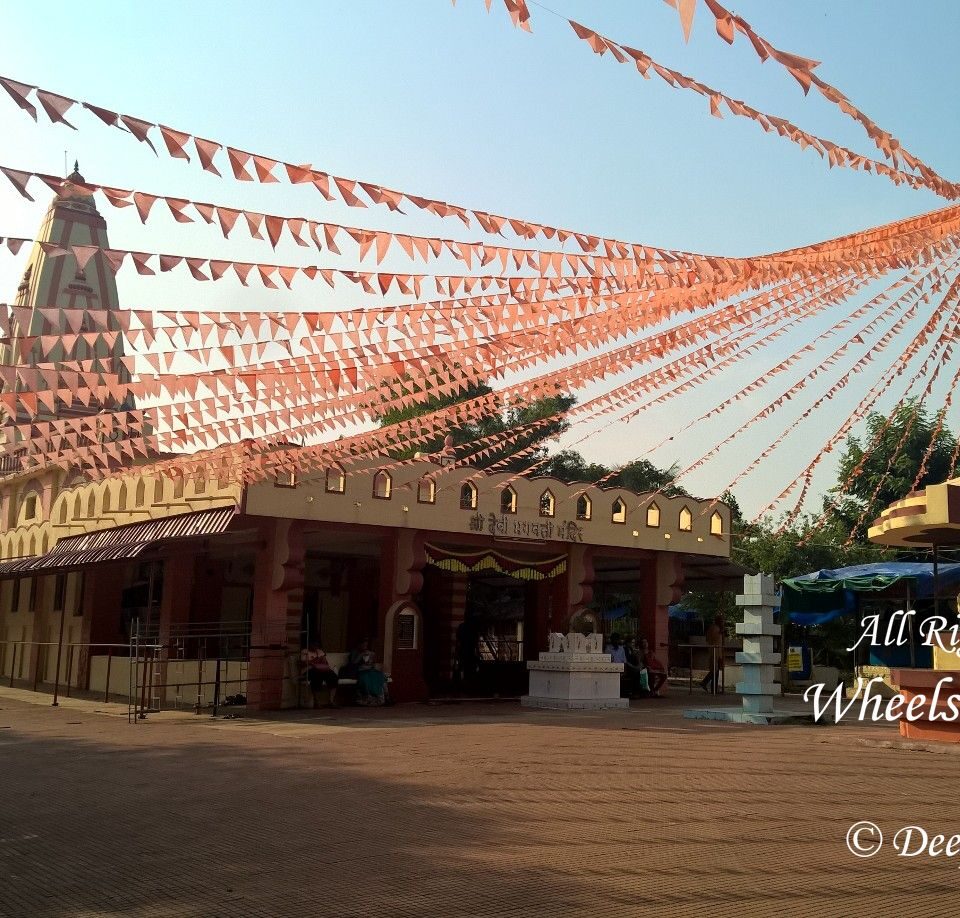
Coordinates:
<point>574,674</point>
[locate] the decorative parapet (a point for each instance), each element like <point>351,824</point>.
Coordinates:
<point>96,506</point>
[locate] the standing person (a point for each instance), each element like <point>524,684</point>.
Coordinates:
<point>656,671</point>
<point>319,672</point>
<point>618,654</point>
<point>715,642</point>
<point>636,670</point>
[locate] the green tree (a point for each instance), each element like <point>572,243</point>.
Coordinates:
<point>513,417</point>
<point>642,475</point>
<point>568,465</point>
<point>798,549</point>
<point>888,471</point>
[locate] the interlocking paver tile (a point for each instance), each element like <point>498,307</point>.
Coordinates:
<point>465,810</point>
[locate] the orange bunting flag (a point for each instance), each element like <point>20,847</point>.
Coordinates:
<point>139,129</point>
<point>345,187</point>
<point>238,162</point>
<point>144,202</point>
<point>176,142</point>
<point>206,150</point>
<point>19,180</point>
<point>177,207</point>
<point>83,254</point>
<point>55,106</point>
<point>265,167</point>
<point>228,218</point>
<point>686,9</point>
<point>19,92</point>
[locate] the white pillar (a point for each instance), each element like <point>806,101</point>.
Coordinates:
<point>758,660</point>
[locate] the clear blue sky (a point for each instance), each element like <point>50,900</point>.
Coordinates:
<point>456,104</point>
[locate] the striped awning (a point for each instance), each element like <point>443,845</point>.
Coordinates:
<point>121,542</point>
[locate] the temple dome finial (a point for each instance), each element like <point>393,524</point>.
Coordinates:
<point>75,176</point>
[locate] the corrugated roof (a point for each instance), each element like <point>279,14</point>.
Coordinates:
<point>121,542</point>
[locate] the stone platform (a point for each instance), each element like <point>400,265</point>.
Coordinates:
<point>574,675</point>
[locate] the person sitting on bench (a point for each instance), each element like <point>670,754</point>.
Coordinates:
<point>371,679</point>
<point>319,672</point>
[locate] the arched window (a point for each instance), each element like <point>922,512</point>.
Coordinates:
<point>200,485</point>
<point>653,516</point>
<point>178,488</point>
<point>92,505</point>
<point>407,631</point>
<point>716,524</point>
<point>584,507</point>
<point>158,491</point>
<point>77,508</point>
<point>382,485</point>
<point>29,508</point>
<point>122,499</point>
<point>686,520</point>
<point>468,496</point>
<point>619,512</point>
<point>547,503</point>
<point>63,512</point>
<point>427,491</point>
<point>336,482</point>
<point>508,500</point>
<point>141,493</point>
<point>106,500</point>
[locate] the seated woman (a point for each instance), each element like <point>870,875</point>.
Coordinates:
<point>319,672</point>
<point>656,671</point>
<point>371,679</point>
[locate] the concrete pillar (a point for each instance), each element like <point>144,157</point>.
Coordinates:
<point>667,571</point>
<point>43,630</point>
<point>579,586</point>
<point>75,606</point>
<point>178,571</point>
<point>401,580</point>
<point>277,607</point>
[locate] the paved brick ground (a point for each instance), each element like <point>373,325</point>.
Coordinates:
<point>464,810</point>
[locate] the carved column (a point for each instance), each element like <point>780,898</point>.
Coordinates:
<point>401,581</point>
<point>277,608</point>
<point>669,588</point>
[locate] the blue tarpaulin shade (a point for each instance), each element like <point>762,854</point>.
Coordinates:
<point>813,599</point>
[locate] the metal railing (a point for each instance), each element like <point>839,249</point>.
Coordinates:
<point>19,651</point>
<point>203,667</point>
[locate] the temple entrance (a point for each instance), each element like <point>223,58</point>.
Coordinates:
<point>490,656</point>
<point>481,625</point>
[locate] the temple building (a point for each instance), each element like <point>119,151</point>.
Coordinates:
<point>454,575</point>
<point>68,290</point>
